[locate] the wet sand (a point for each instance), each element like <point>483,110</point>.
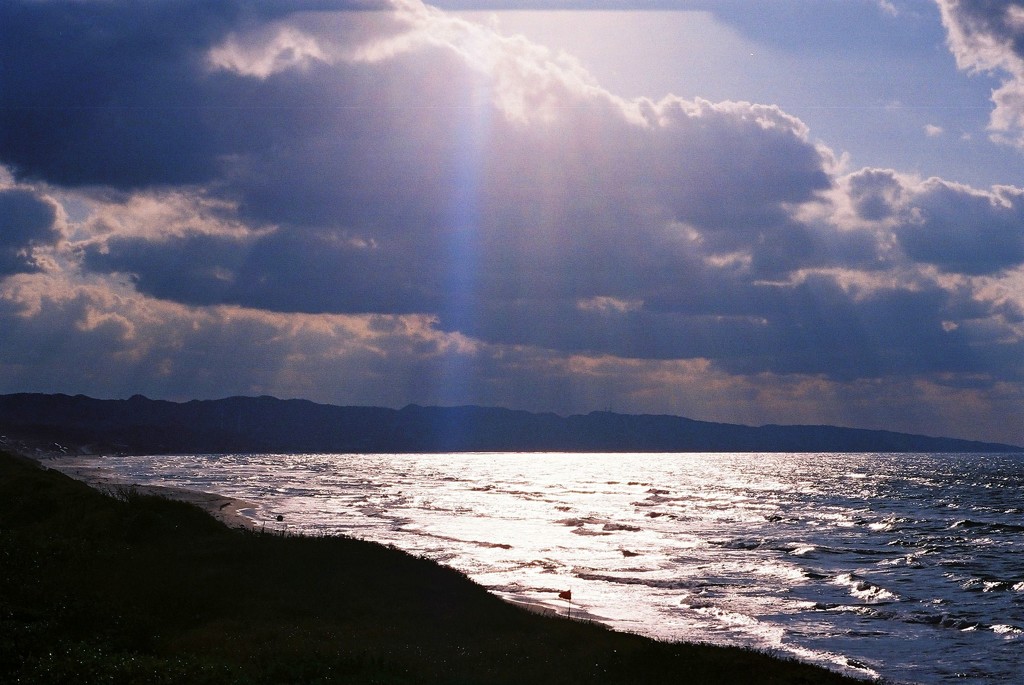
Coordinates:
<point>558,608</point>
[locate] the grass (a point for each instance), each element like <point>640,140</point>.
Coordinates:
<point>140,589</point>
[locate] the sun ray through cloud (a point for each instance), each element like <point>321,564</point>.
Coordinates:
<point>498,198</point>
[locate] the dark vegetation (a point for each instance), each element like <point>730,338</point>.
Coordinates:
<point>140,589</point>
<point>266,424</point>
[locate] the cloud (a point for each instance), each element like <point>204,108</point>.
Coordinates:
<point>391,188</point>
<point>27,220</point>
<point>989,36</point>
<point>875,193</point>
<point>407,207</point>
<point>115,99</point>
<point>888,7</point>
<point>954,227</point>
<point>112,341</point>
<point>61,337</point>
<point>118,93</point>
<point>265,55</point>
<point>962,230</point>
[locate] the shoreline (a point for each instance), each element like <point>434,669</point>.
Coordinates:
<point>227,510</point>
<point>230,511</point>
<point>139,591</point>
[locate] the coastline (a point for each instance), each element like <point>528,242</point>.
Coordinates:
<point>228,510</point>
<point>232,512</point>
<point>308,605</point>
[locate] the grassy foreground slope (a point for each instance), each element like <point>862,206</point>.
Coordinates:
<point>147,590</point>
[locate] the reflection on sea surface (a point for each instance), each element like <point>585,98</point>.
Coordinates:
<point>905,566</point>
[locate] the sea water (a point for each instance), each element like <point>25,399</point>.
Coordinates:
<point>905,567</point>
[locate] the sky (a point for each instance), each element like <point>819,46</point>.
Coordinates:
<point>790,211</point>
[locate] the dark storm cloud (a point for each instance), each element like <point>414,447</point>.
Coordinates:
<point>822,329</point>
<point>373,146</point>
<point>26,221</point>
<point>407,164</point>
<point>371,179</point>
<point>316,272</point>
<point>105,92</point>
<point>195,269</point>
<point>953,227</point>
<point>115,93</point>
<point>286,271</point>
<point>813,328</point>
<point>964,232</point>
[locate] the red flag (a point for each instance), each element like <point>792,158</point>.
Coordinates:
<point>566,594</point>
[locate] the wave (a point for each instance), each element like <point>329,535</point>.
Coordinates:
<point>449,538</point>
<point>581,521</point>
<point>545,565</point>
<point>606,527</point>
<point>739,543</point>
<point>657,583</point>
<point>945,620</point>
<point>803,550</point>
<point>845,565</point>
<point>987,526</point>
<point>991,585</point>
<point>864,590</point>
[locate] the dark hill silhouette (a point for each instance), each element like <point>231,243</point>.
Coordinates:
<point>266,424</point>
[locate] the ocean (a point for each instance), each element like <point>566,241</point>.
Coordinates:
<point>907,567</point>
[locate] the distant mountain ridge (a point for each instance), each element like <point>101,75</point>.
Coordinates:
<point>270,425</point>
